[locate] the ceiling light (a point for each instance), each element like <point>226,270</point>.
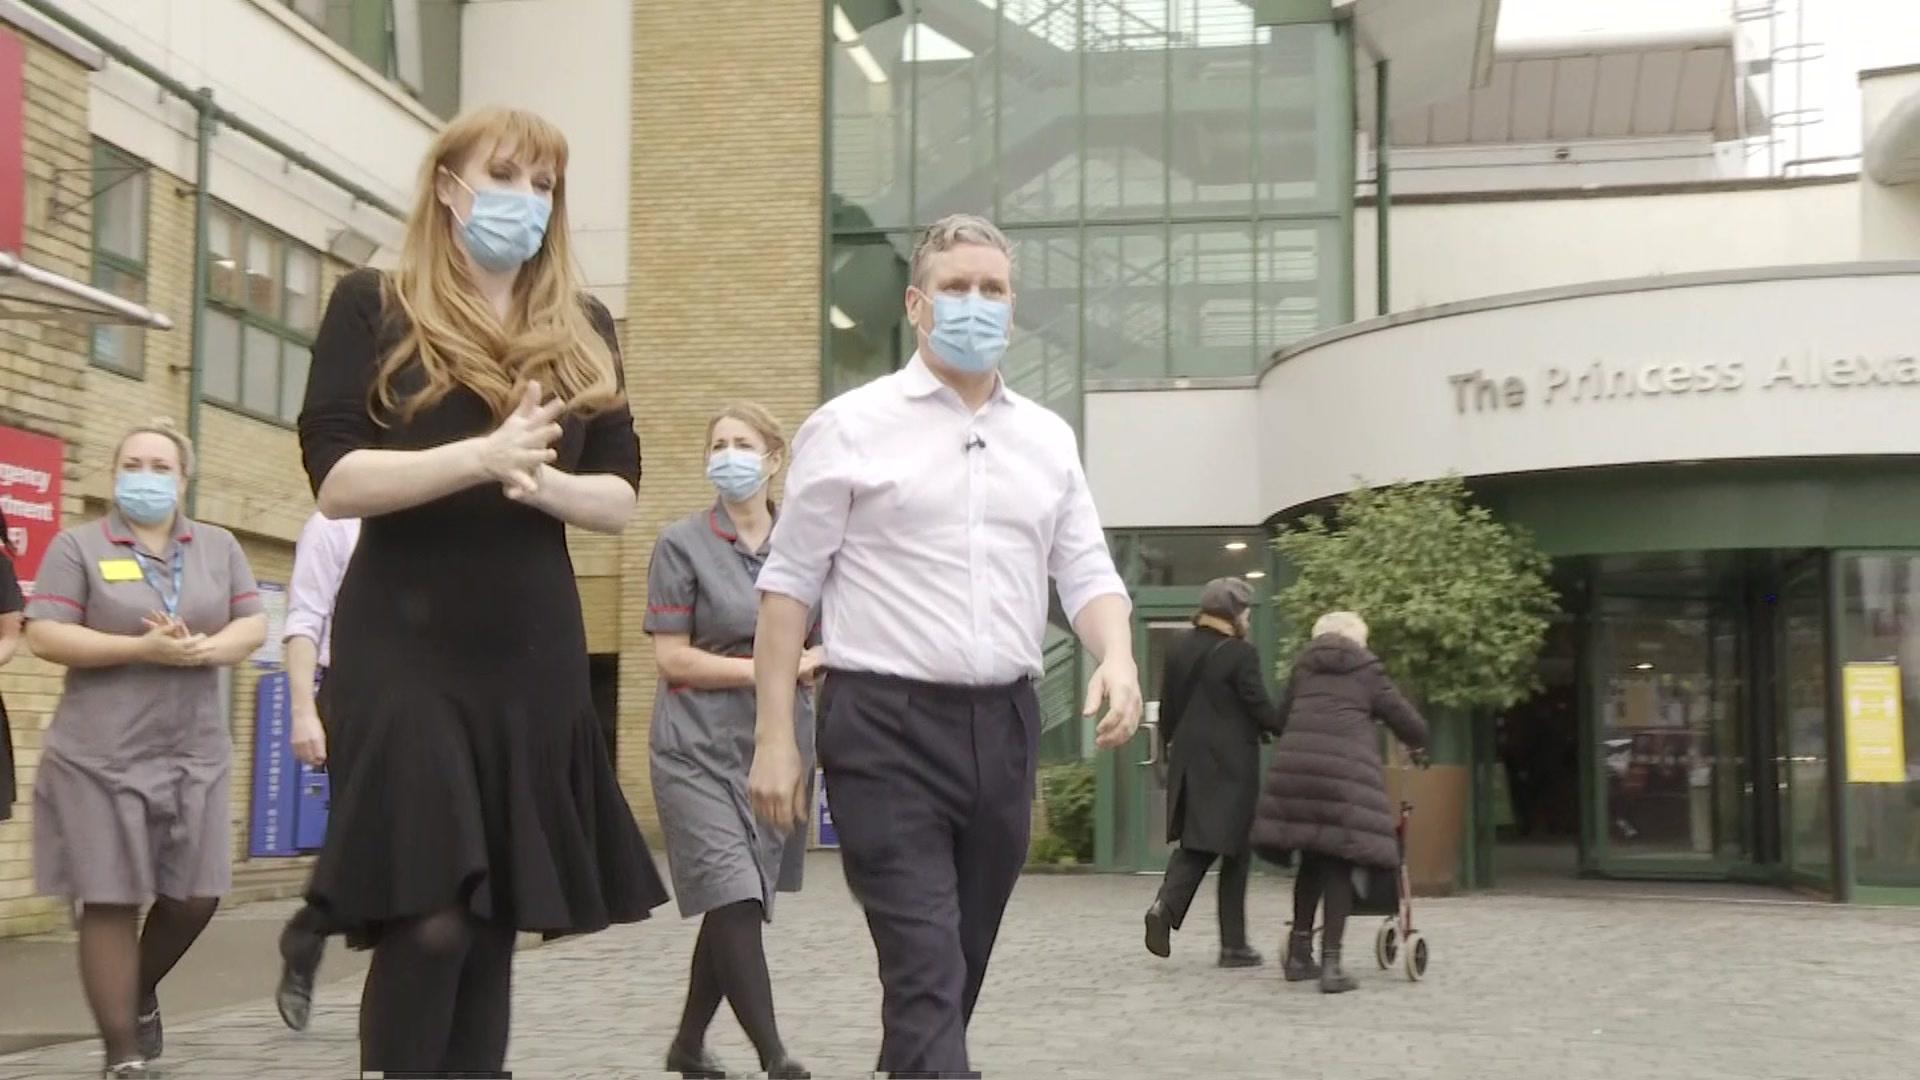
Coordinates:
<point>1236,545</point>
<point>868,66</point>
<point>840,319</point>
<point>1256,575</point>
<point>843,30</point>
<point>1644,665</point>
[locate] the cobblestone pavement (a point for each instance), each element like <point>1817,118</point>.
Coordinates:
<point>1609,989</point>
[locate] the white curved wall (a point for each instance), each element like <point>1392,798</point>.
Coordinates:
<point>1757,364</point>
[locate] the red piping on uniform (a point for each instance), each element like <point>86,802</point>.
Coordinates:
<point>713,522</point>
<point>74,604</point>
<point>668,609</point>
<point>245,596</point>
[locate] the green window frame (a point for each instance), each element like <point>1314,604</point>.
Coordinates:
<point>1148,255</point>
<point>120,182</point>
<point>263,310</point>
<point>413,43</point>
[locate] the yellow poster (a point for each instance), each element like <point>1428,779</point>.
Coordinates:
<point>1876,733</point>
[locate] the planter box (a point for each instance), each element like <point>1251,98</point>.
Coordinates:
<point>1440,796</point>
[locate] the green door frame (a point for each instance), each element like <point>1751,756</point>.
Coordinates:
<point>1122,833</point>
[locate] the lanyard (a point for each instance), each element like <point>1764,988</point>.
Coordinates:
<point>170,599</point>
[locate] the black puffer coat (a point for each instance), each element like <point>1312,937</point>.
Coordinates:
<point>1326,789</point>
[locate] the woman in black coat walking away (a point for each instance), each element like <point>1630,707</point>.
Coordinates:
<point>1326,793</point>
<point>1213,710</point>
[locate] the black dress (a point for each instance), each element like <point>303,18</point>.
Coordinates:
<point>467,762</point>
<point>11,601</point>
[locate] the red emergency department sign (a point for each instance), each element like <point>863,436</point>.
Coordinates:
<point>30,468</point>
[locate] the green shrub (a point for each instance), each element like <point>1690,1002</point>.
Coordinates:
<point>1049,850</point>
<point>1069,793</point>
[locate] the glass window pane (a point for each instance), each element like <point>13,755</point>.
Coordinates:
<point>1803,734</point>
<point>224,237</point>
<point>1880,643</point>
<point>867,330</point>
<point>1212,300</point>
<point>1043,355</point>
<point>1126,71</point>
<point>1304,125</point>
<point>260,373</point>
<point>1301,271</point>
<point>1170,558</point>
<point>871,95</point>
<point>221,375</point>
<point>950,50</point>
<point>120,211</point>
<point>264,254</point>
<point>293,380</point>
<point>1126,298</point>
<point>122,348</point>
<point>409,62</point>
<point>1039,111</point>
<point>1212,123</point>
<point>303,289</point>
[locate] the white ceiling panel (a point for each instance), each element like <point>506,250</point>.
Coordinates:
<point>1658,92</point>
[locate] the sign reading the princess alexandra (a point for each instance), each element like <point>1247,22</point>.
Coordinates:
<point>1478,392</point>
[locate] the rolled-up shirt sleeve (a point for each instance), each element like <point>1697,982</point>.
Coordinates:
<point>317,569</point>
<point>813,521</point>
<point>60,589</point>
<point>1081,565</point>
<point>673,587</point>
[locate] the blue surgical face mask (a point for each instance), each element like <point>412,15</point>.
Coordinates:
<point>737,474</point>
<point>146,498</point>
<point>970,331</point>
<point>505,228</point>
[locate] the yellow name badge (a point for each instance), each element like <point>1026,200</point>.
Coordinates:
<point>120,570</point>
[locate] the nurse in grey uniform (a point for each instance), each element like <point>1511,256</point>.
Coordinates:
<point>130,804</point>
<point>701,611</point>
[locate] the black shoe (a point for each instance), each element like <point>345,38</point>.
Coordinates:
<point>1159,931</point>
<point>1239,956</point>
<point>1333,980</point>
<point>1298,964</point>
<point>695,1064</point>
<point>147,1033</point>
<point>294,996</point>
<point>788,1069</point>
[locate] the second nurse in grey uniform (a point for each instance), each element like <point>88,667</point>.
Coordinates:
<point>701,610</point>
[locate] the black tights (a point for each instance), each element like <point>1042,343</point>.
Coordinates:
<point>730,961</point>
<point>439,996</point>
<point>121,971</point>
<point>1323,876</point>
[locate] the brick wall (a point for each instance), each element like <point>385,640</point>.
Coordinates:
<point>42,377</point>
<point>723,297</point>
<point>251,481</point>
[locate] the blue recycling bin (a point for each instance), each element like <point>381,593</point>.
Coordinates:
<point>310,810</point>
<point>829,836</point>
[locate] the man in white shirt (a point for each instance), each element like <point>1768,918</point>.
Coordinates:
<point>319,565</point>
<point>927,510</point>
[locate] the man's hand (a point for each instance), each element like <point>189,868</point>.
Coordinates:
<point>811,662</point>
<point>309,738</point>
<point>1115,686</point>
<point>777,785</point>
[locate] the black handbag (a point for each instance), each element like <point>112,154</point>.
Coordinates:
<point>1376,891</point>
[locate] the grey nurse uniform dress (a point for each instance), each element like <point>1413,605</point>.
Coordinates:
<point>701,584</point>
<point>131,800</point>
